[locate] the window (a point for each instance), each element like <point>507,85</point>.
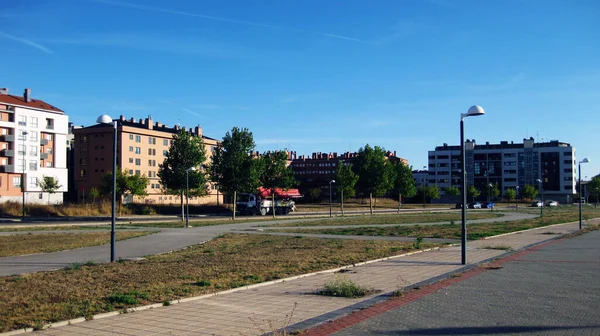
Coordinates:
<point>510,155</point>
<point>83,139</point>
<point>138,162</point>
<point>131,148</point>
<point>83,150</point>
<point>82,173</point>
<point>22,150</point>
<point>130,136</point>
<point>48,164</point>
<point>82,162</point>
<point>33,182</point>
<point>138,150</point>
<point>568,170</point>
<point>138,173</point>
<point>567,162</point>
<point>48,137</point>
<point>33,151</point>
<point>22,135</point>
<point>49,123</point>
<point>33,121</point>
<point>22,120</point>
<point>165,152</point>
<point>165,142</point>
<point>151,151</point>
<point>138,138</point>
<point>151,141</point>
<point>130,171</point>
<point>17,181</point>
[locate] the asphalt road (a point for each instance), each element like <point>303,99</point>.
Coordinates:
<point>165,241</point>
<point>552,291</point>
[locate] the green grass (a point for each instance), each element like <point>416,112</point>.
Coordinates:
<point>55,228</point>
<point>235,260</point>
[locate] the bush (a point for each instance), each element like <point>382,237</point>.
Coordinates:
<point>343,287</point>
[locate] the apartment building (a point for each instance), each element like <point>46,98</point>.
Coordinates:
<point>509,165</point>
<point>317,170</point>
<point>141,146</point>
<point>33,137</point>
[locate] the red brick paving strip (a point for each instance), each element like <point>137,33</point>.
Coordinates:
<point>356,317</point>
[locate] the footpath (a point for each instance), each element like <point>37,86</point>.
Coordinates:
<point>291,303</point>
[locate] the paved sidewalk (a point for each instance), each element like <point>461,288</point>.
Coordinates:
<point>264,308</point>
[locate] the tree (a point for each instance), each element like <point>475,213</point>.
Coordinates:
<point>493,191</point>
<point>375,172</point>
<point>530,191</point>
<point>510,194</point>
<point>474,192</point>
<point>49,184</point>
<point>134,185</point>
<point>431,192</point>
<point>186,151</point>
<point>233,168</point>
<point>594,187</point>
<point>275,173</point>
<point>314,194</point>
<point>404,183</point>
<point>452,191</point>
<point>345,180</point>
<point>94,193</point>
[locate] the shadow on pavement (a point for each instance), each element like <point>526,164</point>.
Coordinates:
<point>492,330</point>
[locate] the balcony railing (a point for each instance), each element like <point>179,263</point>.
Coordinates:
<point>8,169</point>
<point>44,156</point>
<point>7,153</point>
<point>50,127</point>
<point>7,138</point>
<point>45,142</point>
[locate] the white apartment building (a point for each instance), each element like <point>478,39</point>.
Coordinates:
<point>33,144</point>
<point>509,165</point>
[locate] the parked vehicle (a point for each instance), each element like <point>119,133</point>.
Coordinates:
<point>261,202</point>
<point>552,203</point>
<point>476,205</point>
<point>537,204</point>
<point>490,205</point>
<point>459,205</point>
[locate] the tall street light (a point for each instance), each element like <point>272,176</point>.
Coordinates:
<point>187,196</point>
<point>472,112</point>
<point>105,119</point>
<point>330,201</point>
<point>585,160</point>
<point>23,175</point>
<point>541,190</point>
<point>517,197</point>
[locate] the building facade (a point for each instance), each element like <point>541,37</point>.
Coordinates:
<point>509,165</point>
<point>141,146</point>
<point>33,137</point>
<point>317,170</point>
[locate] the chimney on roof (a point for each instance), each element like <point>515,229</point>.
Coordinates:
<point>27,95</point>
<point>198,130</point>
<point>122,117</point>
<point>4,91</point>
<point>149,122</point>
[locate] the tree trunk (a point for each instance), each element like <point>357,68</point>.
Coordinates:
<point>234,202</point>
<point>371,202</point>
<point>273,198</point>
<point>182,209</point>
<point>399,201</point>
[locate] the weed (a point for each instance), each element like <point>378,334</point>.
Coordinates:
<point>252,277</point>
<point>202,283</point>
<point>90,263</point>
<point>343,287</point>
<point>74,266</point>
<point>37,325</point>
<point>452,222</point>
<point>456,275</point>
<point>418,242</point>
<point>497,247</point>
<point>549,233</point>
<point>166,303</point>
<point>130,298</point>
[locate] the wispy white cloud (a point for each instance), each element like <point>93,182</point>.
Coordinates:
<point>191,112</point>
<point>154,42</point>
<point>218,18</point>
<point>25,42</point>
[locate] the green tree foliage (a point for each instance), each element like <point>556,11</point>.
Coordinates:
<point>594,187</point>
<point>233,168</point>
<point>510,194</point>
<point>345,180</point>
<point>186,151</point>
<point>452,191</point>
<point>473,192</point>
<point>431,192</point>
<point>49,184</point>
<point>530,192</point>
<point>275,173</point>
<point>126,185</point>
<point>94,194</point>
<point>375,172</point>
<point>314,194</point>
<point>404,184</point>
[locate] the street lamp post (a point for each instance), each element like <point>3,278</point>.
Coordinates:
<point>541,190</point>
<point>489,194</point>
<point>585,160</point>
<point>187,196</point>
<point>105,119</point>
<point>423,185</point>
<point>23,174</point>
<point>330,201</point>
<point>517,197</point>
<point>472,112</point>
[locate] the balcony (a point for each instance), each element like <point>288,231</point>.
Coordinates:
<point>44,156</point>
<point>7,138</point>
<point>45,142</point>
<point>49,127</point>
<point>8,169</point>
<point>7,153</point>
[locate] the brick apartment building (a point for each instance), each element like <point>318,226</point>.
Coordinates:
<point>141,146</point>
<point>33,137</point>
<point>317,170</point>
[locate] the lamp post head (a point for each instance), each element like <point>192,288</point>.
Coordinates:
<point>538,181</point>
<point>473,111</point>
<point>332,181</point>
<point>191,169</point>
<point>585,160</point>
<point>104,119</point>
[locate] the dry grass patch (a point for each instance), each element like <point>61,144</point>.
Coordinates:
<point>21,244</point>
<point>431,217</point>
<point>227,262</point>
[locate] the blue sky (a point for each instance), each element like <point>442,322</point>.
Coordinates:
<point>315,75</point>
